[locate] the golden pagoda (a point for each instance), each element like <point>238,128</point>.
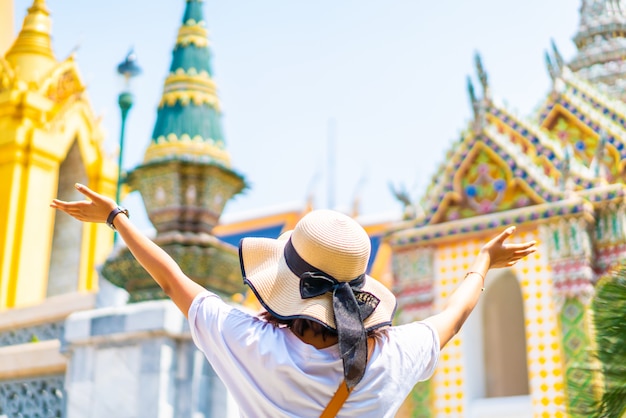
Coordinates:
<point>49,139</point>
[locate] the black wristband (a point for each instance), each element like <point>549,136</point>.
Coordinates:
<point>114,213</point>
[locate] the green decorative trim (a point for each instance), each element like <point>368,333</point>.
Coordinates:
<point>579,379</point>
<point>191,56</point>
<point>194,121</point>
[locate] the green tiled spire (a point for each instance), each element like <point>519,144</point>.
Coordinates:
<point>188,125</point>
<point>186,179</point>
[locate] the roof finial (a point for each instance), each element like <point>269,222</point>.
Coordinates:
<point>470,90</point>
<point>552,70</point>
<point>477,107</point>
<point>482,75</point>
<point>31,53</point>
<point>35,33</point>
<point>472,95</point>
<point>411,209</point>
<point>558,58</point>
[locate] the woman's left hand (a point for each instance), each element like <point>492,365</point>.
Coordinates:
<point>96,209</point>
<point>502,254</point>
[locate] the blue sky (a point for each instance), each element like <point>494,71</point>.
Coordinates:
<point>390,74</point>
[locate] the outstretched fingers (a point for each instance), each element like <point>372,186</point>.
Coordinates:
<point>519,248</point>
<point>504,235</point>
<point>65,206</point>
<point>95,208</point>
<point>86,191</point>
<point>518,254</point>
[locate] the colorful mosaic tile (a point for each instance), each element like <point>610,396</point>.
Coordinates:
<point>545,364</point>
<point>576,348</point>
<point>449,380</point>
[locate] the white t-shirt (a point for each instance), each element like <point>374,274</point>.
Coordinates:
<point>271,373</point>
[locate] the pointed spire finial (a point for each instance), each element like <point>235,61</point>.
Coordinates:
<point>478,107</point>
<point>558,58</point>
<point>482,75</point>
<point>34,37</point>
<point>552,71</point>
<point>470,90</point>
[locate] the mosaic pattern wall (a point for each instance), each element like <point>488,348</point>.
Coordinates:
<point>449,380</point>
<point>38,397</point>
<point>413,285</point>
<point>576,347</point>
<point>545,363</point>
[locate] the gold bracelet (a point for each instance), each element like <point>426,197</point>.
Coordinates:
<point>482,289</point>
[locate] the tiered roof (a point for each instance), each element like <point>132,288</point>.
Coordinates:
<point>588,120</point>
<point>508,170</point>
<point>188,125</point>
<point>601,43</point>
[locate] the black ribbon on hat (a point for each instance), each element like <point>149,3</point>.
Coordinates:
<point>351,306</point>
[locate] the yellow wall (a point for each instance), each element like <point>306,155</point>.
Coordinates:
<point>544,360</point>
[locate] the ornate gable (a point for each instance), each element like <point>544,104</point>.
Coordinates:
<point>494,170</point>
<point>591,125</point>
<point>501,163</point>
<point>63,83</point>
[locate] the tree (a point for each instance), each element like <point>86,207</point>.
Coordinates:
<point>609,310</point>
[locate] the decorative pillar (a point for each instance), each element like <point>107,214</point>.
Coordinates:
<point>609,237</point>
<point>449,384</point>
<point>543,345</point>
<point>570,255</point>
<point>413,286</point>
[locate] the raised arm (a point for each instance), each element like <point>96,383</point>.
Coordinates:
<point>494,254</point>
<point>163,269</point>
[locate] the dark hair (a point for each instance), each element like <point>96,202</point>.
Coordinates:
<point>300,325</point>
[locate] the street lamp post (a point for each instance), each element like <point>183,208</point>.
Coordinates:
<point>127,69</point>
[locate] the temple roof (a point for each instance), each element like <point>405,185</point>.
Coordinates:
<point>601,43</point>
<point>501,163</point>
<point>30,57</point>
<point>37,81</point>
<point>507,170</point>
<point>188,125</point>
<point>500,166</point>
<point>590,121</point>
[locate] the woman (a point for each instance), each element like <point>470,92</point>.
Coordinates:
<point>326,342</point>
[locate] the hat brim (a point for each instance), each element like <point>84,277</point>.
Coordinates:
<point>265,270</point>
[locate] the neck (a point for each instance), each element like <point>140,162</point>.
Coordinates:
<point>317,340</point>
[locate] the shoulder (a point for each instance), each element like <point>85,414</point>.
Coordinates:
<point>209,316</point>
<point>415,345</point>
<point>206,303</point>
<point>409,333</point>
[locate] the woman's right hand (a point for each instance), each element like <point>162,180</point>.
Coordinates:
<point>96,209</point>
<point>506,255</point>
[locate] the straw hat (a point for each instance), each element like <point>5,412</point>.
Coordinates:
<point>324,242</point>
